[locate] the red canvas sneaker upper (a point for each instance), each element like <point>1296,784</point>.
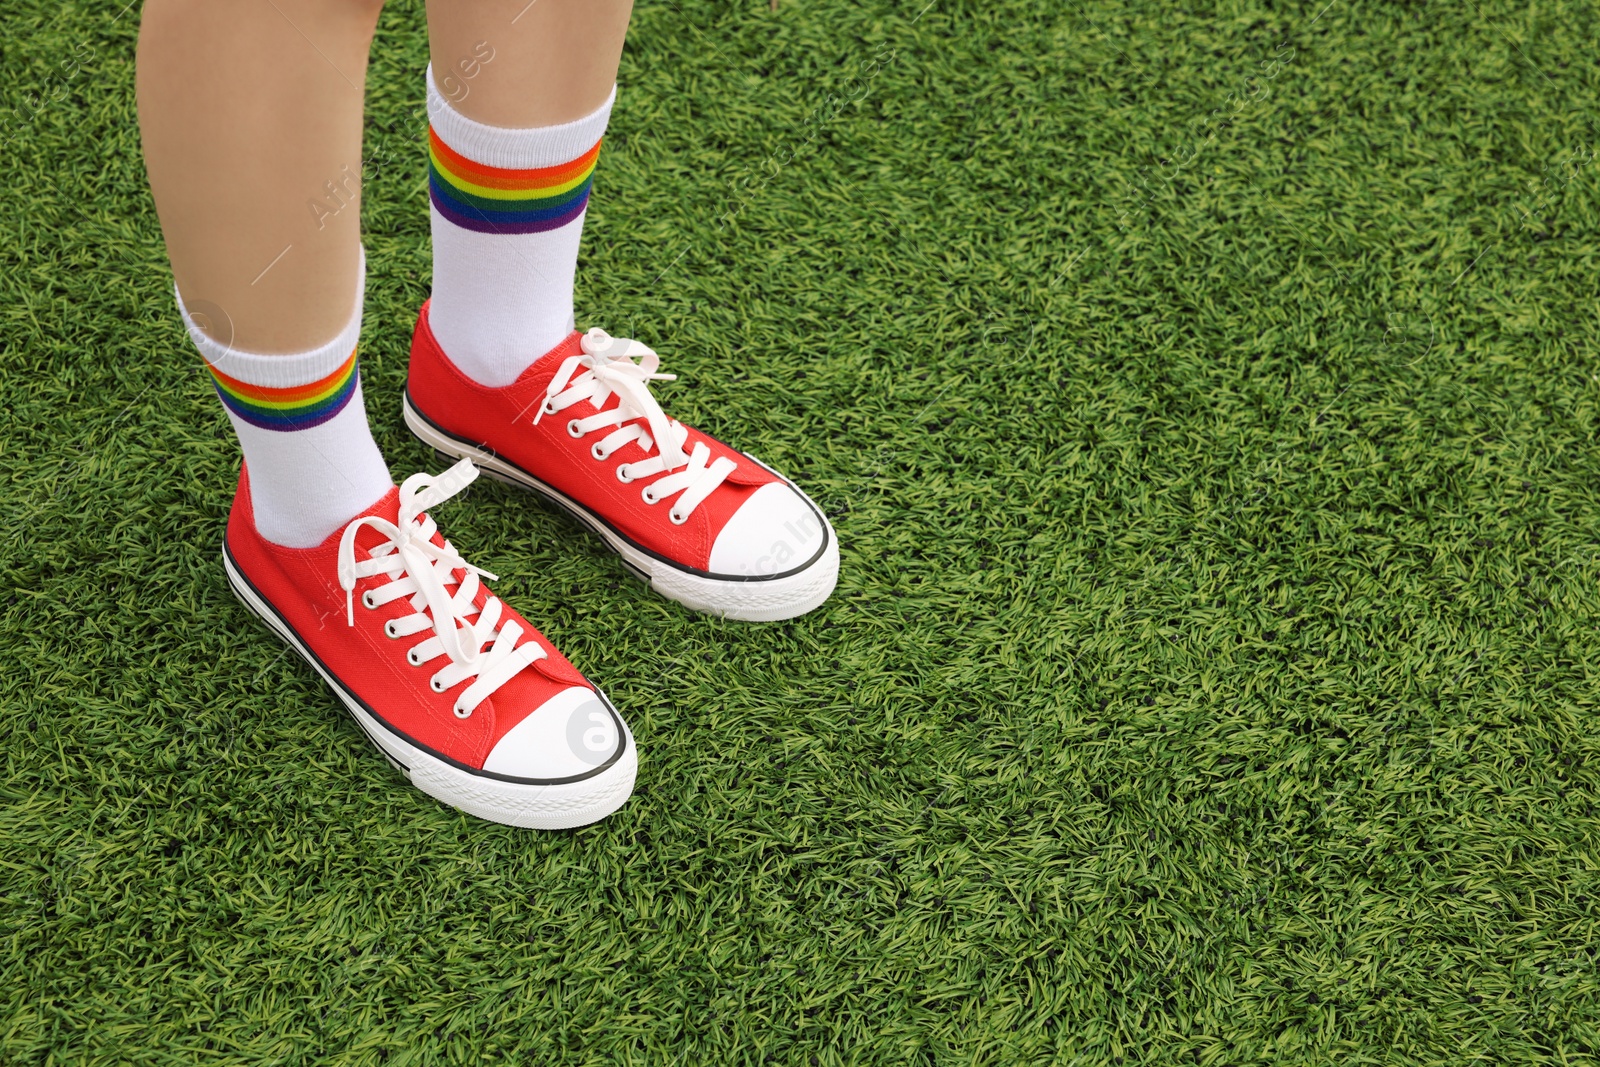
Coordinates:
<point>357,602</point>
<point>581,419</point>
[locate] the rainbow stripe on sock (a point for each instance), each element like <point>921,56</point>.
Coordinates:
<point>299,407</point>
<point>501,200</point>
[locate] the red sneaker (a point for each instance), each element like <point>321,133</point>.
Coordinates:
<point>483,713</point>
<point>707,526</point>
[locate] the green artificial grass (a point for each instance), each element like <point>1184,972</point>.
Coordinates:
<point>1207,404</point>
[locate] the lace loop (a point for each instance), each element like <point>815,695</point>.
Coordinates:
<point>424,571</point>
<point>625,368</point>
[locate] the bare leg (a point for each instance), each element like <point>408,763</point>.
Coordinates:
<point>554,60</point>
<point>250,111</point>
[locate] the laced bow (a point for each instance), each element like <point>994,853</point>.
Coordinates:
<point>424,571</point>
<point>608,366</point>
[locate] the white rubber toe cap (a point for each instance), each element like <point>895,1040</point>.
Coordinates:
<point>570,735</point>
<point>772,532</point>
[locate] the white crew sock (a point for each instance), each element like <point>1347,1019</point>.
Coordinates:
<point>303,427</point>
<point>508,209</point>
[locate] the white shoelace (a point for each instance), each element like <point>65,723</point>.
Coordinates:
<point>608,367</point>
<point>419,569</point>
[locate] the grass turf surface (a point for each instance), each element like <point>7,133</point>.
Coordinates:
<point>1207,405</point>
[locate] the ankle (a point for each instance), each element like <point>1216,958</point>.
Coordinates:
<point>507,208</point>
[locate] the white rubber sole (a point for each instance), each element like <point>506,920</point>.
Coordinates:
<point>758,600</point>
<point>541,807</point>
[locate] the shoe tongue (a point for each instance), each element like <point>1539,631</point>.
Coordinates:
<point>386,508</point>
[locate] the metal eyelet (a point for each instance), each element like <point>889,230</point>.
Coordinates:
<point>598,453</point>
<point>649,495</point>
<point>573,430</point>
<point>677,520</point>
<point>623,475</point>
<point>549,405</point>
<point>389,630</point>
<point>411,657</point>
<point>433,683</point>
<point>366,601</point>
<point>461,713</point>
